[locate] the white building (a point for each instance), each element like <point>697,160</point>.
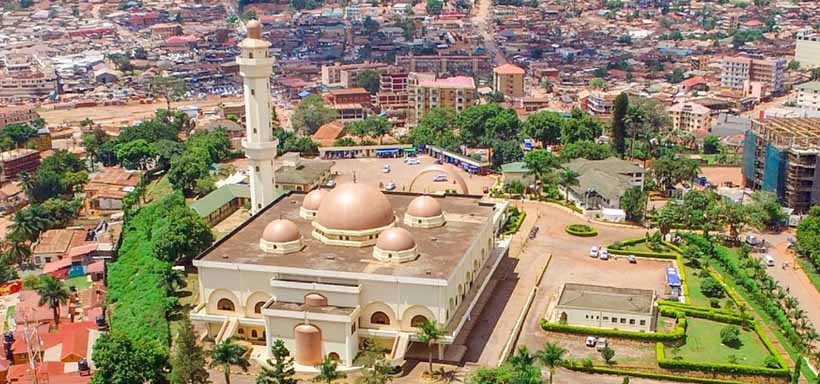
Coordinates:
<point>807,50</point>
<point>739,72</point>
<point>597,306</point>
<point>690,117</point>
<point>808,96</point>
<point>255,67</point>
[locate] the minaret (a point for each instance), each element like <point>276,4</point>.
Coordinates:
<point>255,67</point>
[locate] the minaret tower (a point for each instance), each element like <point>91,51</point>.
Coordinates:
<point>255,67</point>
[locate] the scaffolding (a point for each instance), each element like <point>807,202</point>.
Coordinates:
<point>31,336</point>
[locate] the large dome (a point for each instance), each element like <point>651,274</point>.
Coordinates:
<point>424,206</point>
<point>354,207</point>
<point>313,199</point>
<point>395,239</point>
<point>281,231</point>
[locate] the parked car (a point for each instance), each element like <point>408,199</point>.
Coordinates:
<point>440,178</point>
<point>412,161</point>
<point>603,254</point>
<point>601,344</point>
<point>390,186</point>
<point>591,340</point>
<point>593,252</point>
<point>386,168</point>
<point>752,240</point>
<point>331,183</point>
<point>632,259</point>
<point>769,260</point>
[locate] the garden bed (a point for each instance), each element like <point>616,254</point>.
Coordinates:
<point>515,217</point>
<point>581,230</point>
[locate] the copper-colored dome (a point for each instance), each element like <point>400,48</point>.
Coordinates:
<point>315,300</point>
<point>313,199</point>
<point>354,207</point>
<point>308,340</point>
<point>424,206</point>
<point>395,239</point>
<point>254,29</point>
<point>281,231</point>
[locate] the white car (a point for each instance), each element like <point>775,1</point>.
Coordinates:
<point>412,161</point>
<point>390,186</point>
<point>331,183</point>
<point>603,254</point>
<point>591,341</point>
<point>440,178</point>
<point>593,252</point>
<point>386,168</point>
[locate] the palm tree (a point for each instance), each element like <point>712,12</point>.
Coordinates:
<point>523,358</point>
<point>327,372</point>
<point>52,293</point>
<point>430,334</point>
<point>551,356</point>
<point>567,178</point>
<point>28,224</point>
<point>18,251</point>
<point>227,354</point>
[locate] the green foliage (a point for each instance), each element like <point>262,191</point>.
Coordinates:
<point>808,237</point>
<point>483,125</point>
<point>53,293</point>
<point>58,175</point>
<point>581,126</point>
<point>619,110</point>
<point>711,144</point>
<point>540,163</point>
<point>7,271</point>
<point>676,76</point>
<point>181,235</point>
<point>122,360</point>
<point>670,170</point>
<point>279,368</point>
<point>134,154</point>
<point>434,6</point>
<point>586,149</point>
<point>186,169</point>
<point>311,114</point>
<point>544,126</point>
<point>730,336</point>
<point>607,354</point>
<point>374,125</point>
<point>167,87</point>
<point>766,211</point>
<point>328,371</point>
<point>633,202</point>
<point>436,128</point>
<point>227,354</point>
<point>370,79</point>
<point>677,334</point>
<point>515,218</point>
<point>711,288</point>
<point>15,135</point>
<point>188,358</point>
<point>582,230</point>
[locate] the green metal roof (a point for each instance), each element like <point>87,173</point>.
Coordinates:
<point>220,197</point>
<point>516,167</point>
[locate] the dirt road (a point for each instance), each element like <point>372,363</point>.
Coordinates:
<point>485,28</point>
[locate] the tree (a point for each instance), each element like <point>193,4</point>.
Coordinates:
<point>815,74</point>
<point>120,360</point>
<point>7,271</point>
<point>567,178</point>
<point>711,144</point>
<point>370,79</point>
<point>607,354</point>
<point>585,149</point>
<point>765,211</point>
<point>598,83</point>
<point>711,288</point>
<point>181,235</point>
<point>18,133</point>
<point>227,354</point>
<point>808,236</point>
<point>539,163</point>
<point>312,114</point>
<point>52,293</point>
<point>281,366</point>
<point>379,373</point>
<point>551,356</point>
<point>430,334</point>
<point>168,87</point>
<point>436,128</point>
<point>676,76</point>
<point>17,252</point>
<point>544,126</point>
<point>730,336</point>
<point>328,372</point>
<point>633,202</point>
<point>735,216</point>
<point>134,154</point>
<point>165,150</point>
<point>670,170</point>
<point>794,65</point>
<point>188,358</point>
<point>186,169</point>
<point>482,125</point>
<point>28,223</point>
<point>434,6</point>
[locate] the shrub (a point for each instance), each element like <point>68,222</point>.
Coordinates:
<point>514,220</point>
<point>581,230</point>
<point>607,354</point>
<point>730,336</point>
<point>771,362</point>
<point>711,288</point>
<point>714,303</point>
<point>587,362</point>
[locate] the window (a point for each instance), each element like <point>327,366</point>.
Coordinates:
<point>254,334</point>
<point>623,321</point>
<point>606,318</point>
<point>257,168</point>
<point>250,55</point>
<point>225,305</point>
<point>379,318</point>
<point>614,320</point>
<point>334,356</point>
<point>253,92</point>
<point>417,321</point>
<point>258,307</point>
<point>643,322</point>
<point>631,321</point>
<point>241,331</point>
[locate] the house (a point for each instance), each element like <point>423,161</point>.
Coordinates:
<point>221,203</point>
<point>107,190</point>
<point>601,183</point>
<point>516,171</point>
<point>297,174</point>
<point>17,161</point>
<point>328,133</point>
<point>626,309</point>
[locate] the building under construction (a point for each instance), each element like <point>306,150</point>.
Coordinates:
<point>780,155</point>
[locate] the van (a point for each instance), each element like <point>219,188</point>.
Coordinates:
<point>769,260</point>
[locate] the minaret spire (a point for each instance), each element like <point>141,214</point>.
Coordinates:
<point>255,67</point>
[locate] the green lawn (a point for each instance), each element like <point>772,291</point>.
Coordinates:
<point>158,189</point>
<point>643,247</point>
<point>703,344</point>
<point>80,282</point>
<point>693,280</point>
<point>809,270</point>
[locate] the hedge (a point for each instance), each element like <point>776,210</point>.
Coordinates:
<point>649,375</point>
<point>677,304</point>
<point>709,315</point>
<point>627,243</point>
<point>663,362</point>
<point>565,205</point>
<point>677,334</point>
<point>581,230</point>
<point>517,224</point>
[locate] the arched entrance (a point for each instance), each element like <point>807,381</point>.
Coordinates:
<point>435,168</point>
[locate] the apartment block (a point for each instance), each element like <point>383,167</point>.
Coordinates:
<point>690,117</point>
<point>738,72</point>
<point>478,65</point>
<point>25,77</point>
<point>808,96</point>
<point>347,76</point>
<point>428,92</point>
<point>16,115</point>
<point>807,50</point>
<point>393,97</point>
<point>780,156</point>
<point>17,161</point>
<point>509,80</point>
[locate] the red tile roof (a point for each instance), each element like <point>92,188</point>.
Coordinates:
<point>509,69</point>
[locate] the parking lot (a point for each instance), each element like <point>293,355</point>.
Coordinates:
<point>371,171</point>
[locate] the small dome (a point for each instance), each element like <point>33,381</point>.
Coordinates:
<point>424,206</point>
<point>281,231</point>
<point>254,29</point>
<point>315,300</point>
<point>395,239</point>
<point>313,199</point>
<point>355,207</point>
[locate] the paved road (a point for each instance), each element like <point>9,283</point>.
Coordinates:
<point>485,28</point>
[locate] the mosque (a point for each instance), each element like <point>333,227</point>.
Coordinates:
<point>324,270</point>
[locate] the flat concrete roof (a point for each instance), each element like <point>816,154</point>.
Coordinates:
<point>601,298</point>
<point>440,248</point>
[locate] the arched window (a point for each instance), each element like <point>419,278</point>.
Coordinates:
<point>417,321</point>
<point>258,307</point>
<point>379,318</point>
<point>254,334</point>
<point>334,356</point>
<point>225,305</point>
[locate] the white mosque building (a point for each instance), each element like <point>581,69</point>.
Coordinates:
<point>324,270</point>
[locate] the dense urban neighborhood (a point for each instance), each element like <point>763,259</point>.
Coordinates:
<point>437,191</point>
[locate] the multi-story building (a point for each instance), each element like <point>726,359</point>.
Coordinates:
<point>393,97</point>
<point>808,96</point>
<point>347,76</point>
<point>428,92</point>
<point>601,102</point>
<point>807,50</point>
<point>25,77</point>
<point>690,117</point>
<point>17,161</point>
<point>509,80</point>
<point>780,155</point>
<point>348,96</point>
<point>16,115</point>
<point>739,72</point>
<point>478,65</point>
